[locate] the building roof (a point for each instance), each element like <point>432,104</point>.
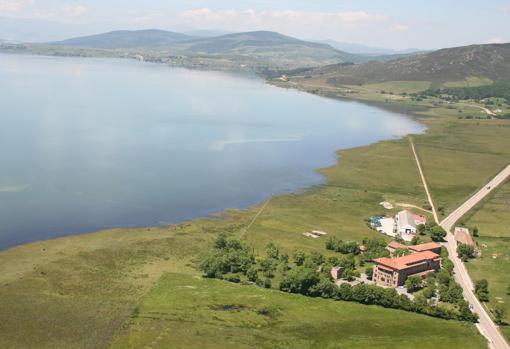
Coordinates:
<point>418,219</point>
<point>425,247</point>
<point>408,261</point>
<point>396,245</point>
<point>462,236</point>
<point>406,218</point>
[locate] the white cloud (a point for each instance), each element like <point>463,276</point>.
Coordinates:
<point>13,6</point>
<point>399,28</point>
<point>496,41</point>
<point>207,17</point>
<point>63,14</point>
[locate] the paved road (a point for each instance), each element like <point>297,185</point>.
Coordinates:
<point>486,326</point>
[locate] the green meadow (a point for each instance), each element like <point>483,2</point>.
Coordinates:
<point>185,311</point>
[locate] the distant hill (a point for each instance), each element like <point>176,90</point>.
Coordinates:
<point>367,50</point>
<point>204,33</point>
<point>274,50</point>
<point>127,39</point>
<point>270,45</point>
<point>491,61</point>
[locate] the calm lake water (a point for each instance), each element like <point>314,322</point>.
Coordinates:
<point>87,144</point>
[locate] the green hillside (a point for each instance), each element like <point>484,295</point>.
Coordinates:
<point>126,39</point>
<point>487,62</point>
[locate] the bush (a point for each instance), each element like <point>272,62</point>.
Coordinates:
<point>300,280</point>
<point>499,314</point>
<point>369,271</point>
<point>482,290</point>
<point>413,283</point>
<point>437,233</point>
<point>299,257</point>
<point>465,252</point>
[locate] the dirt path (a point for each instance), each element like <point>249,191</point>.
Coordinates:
<point>429,196</point>
<point>243,233</point>
<point>413,206</point>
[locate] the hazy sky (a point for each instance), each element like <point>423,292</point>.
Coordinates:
<point>392,23</point>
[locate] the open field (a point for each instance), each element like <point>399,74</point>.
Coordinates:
<point>492,217</point>
<point>190,312</point>
<point>461,156</point>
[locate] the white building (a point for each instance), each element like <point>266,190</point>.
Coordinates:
<point>406,224</point>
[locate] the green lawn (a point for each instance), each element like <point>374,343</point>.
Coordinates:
<point>399,86</point>
<point>471,81</point>
<point>184,311</point>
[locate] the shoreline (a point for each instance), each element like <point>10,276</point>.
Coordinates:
<point>222,213</point>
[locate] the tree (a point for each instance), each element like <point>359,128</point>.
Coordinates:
<point>268,266</point>
<point>416,239</point>
<point>252,274</point>
<point>267,283</point>
<point>299,257</point>
<point>437,233</point>
<point>272,251</point>
<point>452,294</point>
<point>482,290</point>
<point>499,314</point>
<point>325,289</point>
<point>345,292</point>
<point>475,232</point>
<point>422,229</point>
<point>447,265</point>
<point>369,271</point>
<point>508,290</point>
<point>332,243</point>
<point>413,283</point>
<point>400,252</point>
<point>300,280</point>
<point>465,314</point>
<point>465,252</point>
<point>429,291</point>
<point>221,242</point>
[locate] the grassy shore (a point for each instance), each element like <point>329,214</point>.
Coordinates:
<point>122,286</point>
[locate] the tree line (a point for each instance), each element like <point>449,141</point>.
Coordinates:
<point>309,274</point>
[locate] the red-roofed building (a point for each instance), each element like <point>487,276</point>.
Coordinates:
<point>395,245</point>
<point>429,246</point>
<point>393,272</point>
<point>420,220</point>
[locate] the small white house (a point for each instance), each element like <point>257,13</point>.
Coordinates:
<point>406,223</point>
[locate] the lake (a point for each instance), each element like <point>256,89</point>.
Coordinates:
<point>87,144</point>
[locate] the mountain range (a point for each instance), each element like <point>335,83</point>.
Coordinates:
<point>367,50</point>
<point>489,61</point>
<point>264,47</point>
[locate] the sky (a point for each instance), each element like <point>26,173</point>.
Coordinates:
<point>394,24</point>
